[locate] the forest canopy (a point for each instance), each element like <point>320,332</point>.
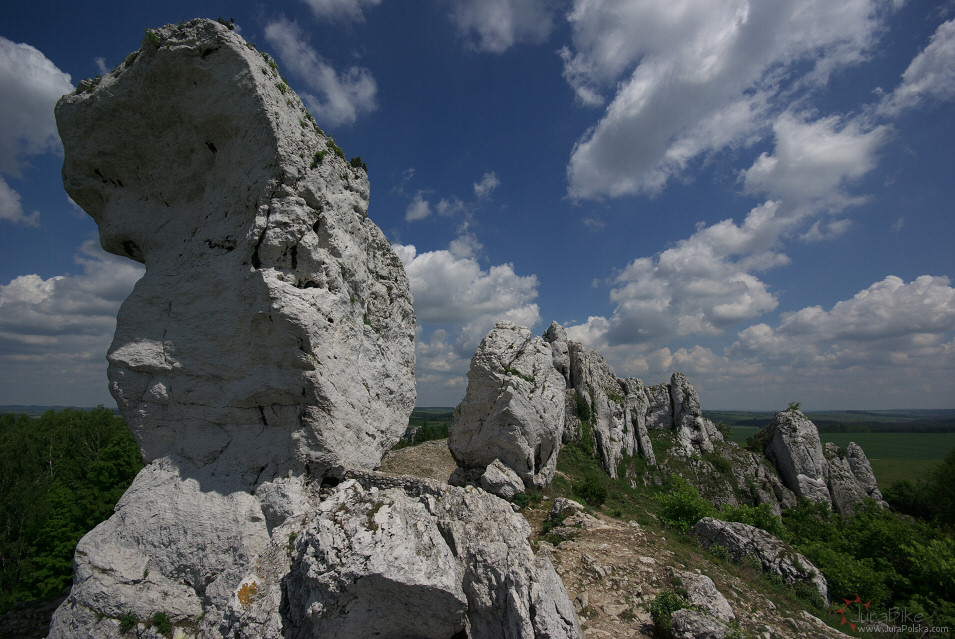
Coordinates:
<point>60,475</point>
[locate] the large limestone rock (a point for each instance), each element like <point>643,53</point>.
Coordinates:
<point>403,557</point>
<point>660,409</point>
<point>637,408</point>
<point>702,594</point>
<point>269,344</point>
<point>273,329</point>
<point>792,445</point>
<point>850,478</point>
<point>373,564</point>
<point>862,471</point>
<point>694,432</point>
<point>774,555</point>
<point>513,409</point>
<point>596,385</point>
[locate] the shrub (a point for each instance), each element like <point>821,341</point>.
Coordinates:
<point>127,622</point>
<point>683,506</point>
<point>162,623</point>
<point>661,610</point>
<point>760,516</point>
<point>591,488</point>
<point>358,164</point>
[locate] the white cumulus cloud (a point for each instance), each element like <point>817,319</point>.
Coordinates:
<point>54,332</point>
<point>11,209</point>
<point>457,302</point>
<point>334,97</point>
<point>813,160</point>
<point>495,26</point>
<point>31,86</point>
<point>931,75</point>
<point>341,10</point>
<point>687,79</point>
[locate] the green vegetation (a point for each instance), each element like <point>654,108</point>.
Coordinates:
<point>60,475</point>
<point>356,163</point>
<point>425,425</point>
<point>151,38</point>
<point>229,24</point>
<point>330,143</point>
<point>662,607</point>
<point>928,498</point>
<point>317,159</point>
<point>885,558</point>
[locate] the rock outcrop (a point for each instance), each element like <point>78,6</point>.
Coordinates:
<point>612,416</point>
<point>862,471</point>
<point>267,353</point>
<point>701,593</point>
<point>501,480</point>
<point>273,329</point>
<point>694,432</point>
<point>513,409</point>
<point>402,556</point>
<point>792,445</point>
<point>826,474</point>
<point>773,555</point>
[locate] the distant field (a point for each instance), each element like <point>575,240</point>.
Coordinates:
<point>894,456</point>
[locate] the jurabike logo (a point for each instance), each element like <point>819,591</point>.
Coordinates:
<point>856,614</point>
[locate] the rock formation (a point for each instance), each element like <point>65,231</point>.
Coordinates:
<point>693,431</point>
<point>774,555</point>
<point>513,409</point>
<point>850,478</point>
<point>702,594</point>
<point>403,557</point>
<point>506,400</point>
<point>267,352</point>
<point>273,329</point>
<point>793,447</point>
<point>840,479</point>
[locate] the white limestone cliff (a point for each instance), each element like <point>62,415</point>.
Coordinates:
<point>273,329</point>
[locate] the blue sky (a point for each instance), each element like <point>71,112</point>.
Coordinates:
<point>758,194</point>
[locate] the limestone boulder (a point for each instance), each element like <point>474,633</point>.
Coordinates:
<point>687,623</point>
<point>843,488</point>
<point>637,409</point>
<point>269,345</point>
<point>373,563</point>
<point>273,329</point>
<point>556,336</point>
<point>608,427</point>
<point>792,445</point>
<point>513,409</point>
<point>394,556</point>
<point>774,555</point>
<point>178,543</point>
<point>500,480</point>
<point>694,432</point>
<point>660,408</point>
<point>862,470</point>
<point>850,479</point>
<point>702,593</point>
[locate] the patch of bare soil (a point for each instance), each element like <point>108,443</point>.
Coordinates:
<point>612,571</point>
<point>431,460</point>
